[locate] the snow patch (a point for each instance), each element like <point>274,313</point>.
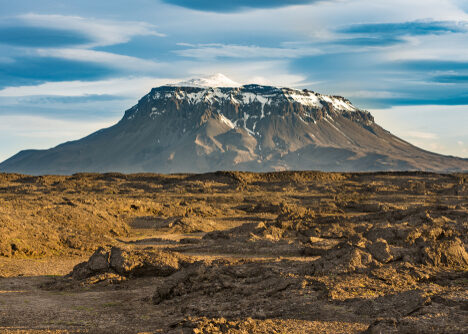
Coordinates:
<point>217,80</point>
<point>226,121</point>
<point>245,118</point>
<point>337,103</point>
<point>154,113</point>
<point>305,98</point>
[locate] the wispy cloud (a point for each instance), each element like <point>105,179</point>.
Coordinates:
<point>261,72</point>
<point>375,94</point>
<point>34,69</point>
<point>215,50</point>
<point>368,41</point>
<point>451,78</point>
<point>264,72</point>
<point>407,28</point>
<point>110,59</point>
<point>37,48</point>
<point>123,86</point>
<point>449,48</point>
<point>42,37</point>
<point>392,34</point>
<point>53,99</point>
<point>101,32</point>
<point>237,5</point>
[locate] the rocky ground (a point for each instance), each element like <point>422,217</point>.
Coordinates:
<point>289,252</point>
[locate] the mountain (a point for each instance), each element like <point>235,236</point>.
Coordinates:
<point>216,124</point>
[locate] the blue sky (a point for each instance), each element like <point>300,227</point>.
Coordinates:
<point>68,68</point>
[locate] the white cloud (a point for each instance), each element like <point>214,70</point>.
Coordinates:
<point>371,94</point>
<point>103,32</point>
<point>273,72</point>
<point>318,20</point>
<point>264,73</point>
<point>204,51</point>
<point>125,87</point>
<point>453,47</point>
<point>107,58</point>
<point>335,13</point>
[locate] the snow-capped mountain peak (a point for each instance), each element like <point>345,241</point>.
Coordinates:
<point>214,123</point>
<point>219,87</point>
<point>216,80</point>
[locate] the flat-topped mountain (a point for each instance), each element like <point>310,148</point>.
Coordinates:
<point>201,125</point>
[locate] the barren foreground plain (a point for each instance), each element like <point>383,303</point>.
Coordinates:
<point>233,252</point>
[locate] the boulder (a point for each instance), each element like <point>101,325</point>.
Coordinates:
<point>380,251</point>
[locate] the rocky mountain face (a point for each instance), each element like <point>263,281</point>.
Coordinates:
<point>193,128</point>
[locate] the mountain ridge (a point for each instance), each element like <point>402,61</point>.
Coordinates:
<point>192,128</point>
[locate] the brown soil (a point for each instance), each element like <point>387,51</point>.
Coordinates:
<point>227,252</point>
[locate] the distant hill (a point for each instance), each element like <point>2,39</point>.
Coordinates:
<point>200,126</point>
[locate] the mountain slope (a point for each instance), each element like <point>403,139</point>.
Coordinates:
<point>193,128</point>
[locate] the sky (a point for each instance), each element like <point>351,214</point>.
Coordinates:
<point>68,68</point>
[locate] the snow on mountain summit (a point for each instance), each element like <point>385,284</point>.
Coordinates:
<point>219,88</point>
<point>214,87</point>
<point>217,80</point>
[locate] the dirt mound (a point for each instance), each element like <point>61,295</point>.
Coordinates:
<point>380,250</point>
<point>419,239</point>
<point>364,254</point>
<point>127,263</point>
<point>344,258</point>
<point>253,238</point>
<point>258,289</point>
<point>450,252</point>
<point>243,279</point>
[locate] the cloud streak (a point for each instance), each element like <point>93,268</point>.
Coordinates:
<point>451,78</point>
<point>41,37</point>
<point>123,86</point>
<point>407,28</point>
<point>101,32</point>
<point>392,34</point>
<point>214,50</point>
<point>109,59</point>
<point>237,5</point>
<point>30,70</point>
